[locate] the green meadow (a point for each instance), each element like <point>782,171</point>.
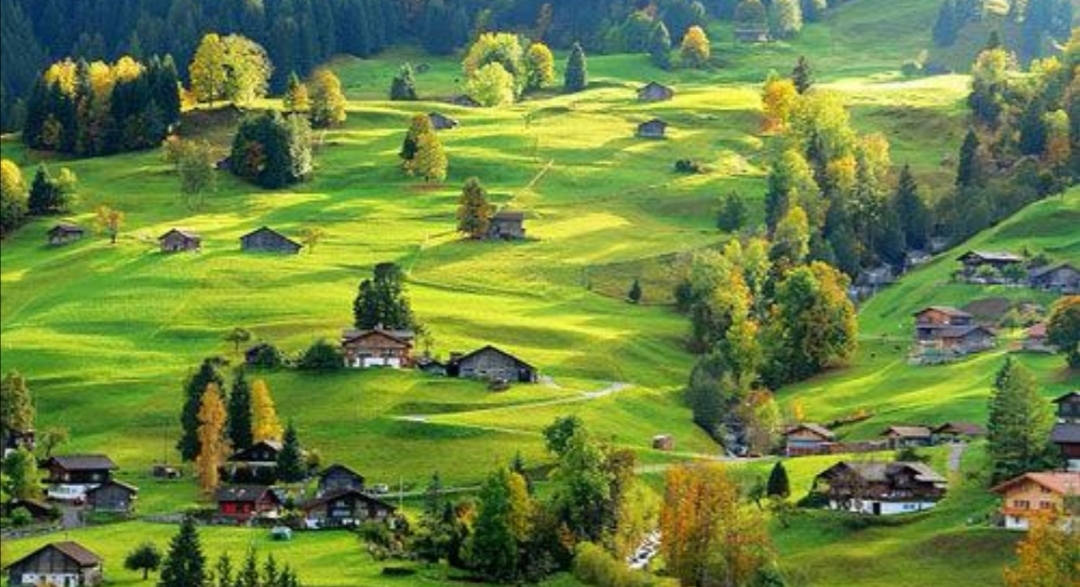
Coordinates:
<point>107,334</point>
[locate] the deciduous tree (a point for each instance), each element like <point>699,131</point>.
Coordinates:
<point>213,443</point>
<point>1063,328</point>
<point>1048,556</point>
<point>491,85</point>
<point>21,472</point>
<point>327,99</point>
<point>695,50</point>
<point>109,220</point>
<point>265,423</point>
<point>195,165</point>
<point>296,98</point>
<point>403,86</point>
<point>474,212</point>
<point>789,18</point>
<point>539,67</point>
<point>13,196</point>
<point>430,161</point>
<point>16,405</point>
<point>145,557</point>
<point>494,546</point>
<point>778,101</point>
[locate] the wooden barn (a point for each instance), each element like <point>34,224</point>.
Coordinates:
<point>64,233</point>
<point>507,225</point>
<point>655,92</point>
<point>1061,277</point>
<point>807,439</point>
<point>652,129</point>
<point>268,240</point>
<point>57,563</point>
<point>177,240</point>
<point>493,364</point>
<point>440,121</point>
<point>337,477</point>
<point>112,496</point>
<point>973,261</point>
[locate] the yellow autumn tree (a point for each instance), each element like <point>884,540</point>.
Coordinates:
<point>1049,556</point>
<point>430,161</point>
<point>778,100</point>
<point>264,421</point>
<point>695,48</point>
<point>213,447</point>
<point>207,69</point>
<point>327,99</point>
<point>521,507</point>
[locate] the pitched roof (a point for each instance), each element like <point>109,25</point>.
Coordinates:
<point>271,231</point>
<point>815,428</point>
<point>1002,256</point>
<point>402,336</point>
<point>1072,395</point>
<point>182,232</point>
<point>117,483</point>
<point>339,493</point>
<point>489,347</point>
<point>243,493</point>
<point>508,215</point>
<point>1060,482</point>
<point>1065,433</point>
<point>72,550</point>
<point>66,227</point>
<point>272,444</point>
<point>1037,330</point>
<point>1040,271</point>
<point>908,431</point>
<point>653,121</point>
<point>339,467</point>
<point>87,462</point>
<point>955,331</point>
<point>968,428</point>
<point>949,310</point>
<point>880,472</point>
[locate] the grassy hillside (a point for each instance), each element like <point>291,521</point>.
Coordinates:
<point>106,334</point>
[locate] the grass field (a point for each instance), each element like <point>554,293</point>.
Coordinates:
<point>106,334</point>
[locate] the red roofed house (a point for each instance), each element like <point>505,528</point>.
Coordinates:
<point>244,502</point>
<point>1037,494</point>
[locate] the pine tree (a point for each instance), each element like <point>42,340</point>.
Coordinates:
<point>240,425</point>
<point>778,485</point>
<point>946,25</point>
<point>430,161</point>
<point>1033,128</point>
<point>42,193</point>
<point>185,564</point>
<point>576,77</point>
<point>913,213</point>
<point>403,87</point>
<point>474,212</point>
<point>1020,422</point>
<point>660,45</point>
<point>968,170</point>
<point>248,574</point>
<point>802,75</point>
<point>493,548</point>
<point>265,424</point>
<point>188,444</point>
<point>213,446</point>
<point>634,294</point>
<point>290,466</point>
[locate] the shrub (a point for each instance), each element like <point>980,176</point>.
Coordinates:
<point>733,213</point>
<point>21,517</point>
<point>688,166</point>
<point>267,356</point>
<point>321,356</point>
<point>594,566</point>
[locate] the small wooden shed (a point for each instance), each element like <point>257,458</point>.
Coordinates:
<point>652,129</point>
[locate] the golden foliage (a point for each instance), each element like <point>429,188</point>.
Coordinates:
<point>213,447</point>
<point>264,421</point>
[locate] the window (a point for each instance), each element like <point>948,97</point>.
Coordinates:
<point>1046,505</point>
<point>1022,504</point>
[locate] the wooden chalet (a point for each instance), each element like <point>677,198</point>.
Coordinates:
<point>879,488</point>
<point>67,563</point>
<point>1036,340</point>
<point>1038,494</point>
<point>112,496</point>
<point>956,431</point>
<point>80,468</point>
<point>507,225</point>
<point>242,503</point>
<point>973,261</point>
<point>652,129</point>
<point>377,347</point>
<point>908,436</point>
<point>177,240</point>
<point>344,508</point>
<point>492,364</point>
<point>267,240</point>
<point>64,233</point>
<point>263,453</point>
<point>338,477</point>
<point>1066,431</point>
<point>440,121</point>
<point>807,439</point>
<point>655,92</point>
<point>1060,277</point>
<point>950,331</point>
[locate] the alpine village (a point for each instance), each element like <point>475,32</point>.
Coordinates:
<point>564,293</point>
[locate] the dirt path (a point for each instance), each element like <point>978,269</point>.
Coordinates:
<point>956,455</point>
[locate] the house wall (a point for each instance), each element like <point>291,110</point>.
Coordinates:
<point>500,228</point>
<point>1027,498</point>
<point>111,498</point>
<point>267,241</point>
<point>883,508</point>
<point>375,350</point>
<point>52,566</point>
<point>338,479</point>
<point>490,364</point>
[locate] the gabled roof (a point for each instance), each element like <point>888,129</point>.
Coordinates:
<point>1060,482</point>
<point>949,310</point>
<point>404,337</point>
<point>66,227</point>
<point>489,347</point>
<point>244,493</point>
<point>815,428</point>
<point>1072,395</point>
<point>653,121</point>
<point>908,431</point>
<point>1000,256</point>
<point>951,331</point>
<point>339,467</point>
<point>130,488</point>
<point>1040,271</point>
<point>87,462</point>
<point>271,444</point>
<point>508,215</point>
<point>271,231</point>
<point>880,472</point>
<point>71,550</point>
<point>1037,330</point>
<point>339,493</point>
<point>968,428</point>
<point>182,232</point>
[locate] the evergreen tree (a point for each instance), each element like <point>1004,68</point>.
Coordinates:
<point>207,374</point>
<point>968,170</point>
<point>273,151</point>
<point>493,548</point>
<point>22,480</point>
<point>778,484</point>
<point>946,26</point>
<point>290,465</point>
<point>239,417</point>
<point>381,301</point>
<point>403,87</point>
<point>1033,128</point>
<point>913,213</point>
<point>1020,422</point>
<point>474,212</point>
<point>659,45</point>
<point>576,77</point>
<point>185,564</point>
<point>634,294</point>
<point>248,573</point>
<point>733,213</point>
<point>43,193</point>
<point>802,75</point>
